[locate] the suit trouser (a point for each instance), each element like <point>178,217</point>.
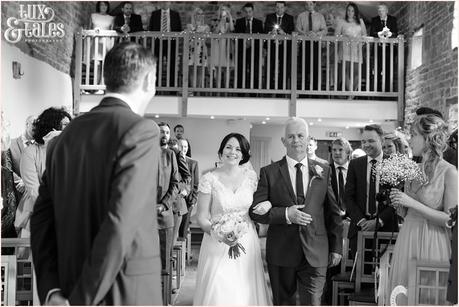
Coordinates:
<point>165,243</point>
<point>285,280</point>
<point>177,222</point>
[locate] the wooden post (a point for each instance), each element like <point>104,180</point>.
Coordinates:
<point>292,104</point>
<point>77,78</point>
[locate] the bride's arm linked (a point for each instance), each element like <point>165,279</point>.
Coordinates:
<point>436,216</point>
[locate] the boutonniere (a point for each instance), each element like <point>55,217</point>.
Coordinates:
<point>317,173</point>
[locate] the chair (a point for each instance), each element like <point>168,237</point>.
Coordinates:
<point>8,296</point>
<point>427,282</point>
<point>166,283</point>
<point>365,264</point>
<point>177,256</point>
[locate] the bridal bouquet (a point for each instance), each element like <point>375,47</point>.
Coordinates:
<point>230,227</point>
<point>394,171</point>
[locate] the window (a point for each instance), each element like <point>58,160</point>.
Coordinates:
<point>416,49</point>
<point>455,30</point>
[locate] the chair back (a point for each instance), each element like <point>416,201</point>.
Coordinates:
<point>427,282</point>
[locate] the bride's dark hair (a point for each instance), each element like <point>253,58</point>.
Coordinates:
<point>243,143</point>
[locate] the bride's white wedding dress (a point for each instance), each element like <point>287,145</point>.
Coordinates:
<point>220,279</point>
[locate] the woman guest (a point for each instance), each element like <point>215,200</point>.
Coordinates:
<point>352,27</point>
<point>424,235</point>
<point>220,279</point>
<point>220,50</point>
<point>48,125</point>
<point>392,144</point>
<point>198,48</point>
<point>102,22</point>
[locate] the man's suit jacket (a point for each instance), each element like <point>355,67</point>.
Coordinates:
<point>192,196</point>
<point>334,184</point>
<point>286,244</point>
<point>93,228</point>
<point>377,25</point>
<point>179,205</point>
<point>168,187</point>
<point>135,23</point>
<point>16,147</point>
<point>174,19</point>
<point>287,23</point>
<point>241,25</point>
<point>355,197</point>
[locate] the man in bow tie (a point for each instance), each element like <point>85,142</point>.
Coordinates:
<point>381,25</point>
<point>294,196</point>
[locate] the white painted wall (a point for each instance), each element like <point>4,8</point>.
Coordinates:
<point>40,87</point>
<point>205,136</point>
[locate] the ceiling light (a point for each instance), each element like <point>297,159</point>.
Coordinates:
<point>347,127</point>
<point>263,122</point>
<point>157,115</point>
<point>311,124</point>
<point>319,120</point>
<point>370,121</point>
<point>212,117</point>
<point>267,118</point>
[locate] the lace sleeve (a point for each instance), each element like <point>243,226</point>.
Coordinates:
<point>205,183</point>
<point>252,179</point>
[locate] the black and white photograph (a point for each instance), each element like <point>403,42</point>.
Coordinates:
<point>229,153</point>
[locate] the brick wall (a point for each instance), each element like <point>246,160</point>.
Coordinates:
<point>59,54</point>
<point>434,83</point>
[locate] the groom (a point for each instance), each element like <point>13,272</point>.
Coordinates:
<point>305,232</point>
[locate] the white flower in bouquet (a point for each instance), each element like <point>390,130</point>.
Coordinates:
<point>231,227</point>
<point>398,169</point>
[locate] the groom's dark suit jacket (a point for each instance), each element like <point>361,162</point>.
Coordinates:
<point>355,196</point>
<point>286,244</point>
<point>94,231</point>
<point>168,187</point>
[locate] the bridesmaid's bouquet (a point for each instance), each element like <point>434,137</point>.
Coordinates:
<point>394,172</point>
<point>230,227</point>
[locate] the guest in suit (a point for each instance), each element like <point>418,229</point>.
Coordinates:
<point>179,130</point>
<point>341,153</point>
<point>127,22</point>
<point>362,185</point>
<point>384,26</point>
<point>179,206</point>
<point>166,20</point>
<point>294,196</point>
<point>279,23</point>
<point>248,24</point>
<point>168,189</point>
<point>311,150</point>
<point>192,196</point>
<point>311,24</point>
<point>17,147</point>
<point>94,235</point>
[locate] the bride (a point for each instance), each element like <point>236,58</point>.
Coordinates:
<point>222,280</point>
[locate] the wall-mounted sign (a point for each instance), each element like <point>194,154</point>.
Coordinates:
<point>334,134</point>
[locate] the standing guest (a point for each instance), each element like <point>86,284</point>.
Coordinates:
<point>279,23</point>
<point>192,196</point>
<point>352,27</point>
<point>168,189</point>
<point>311,149</point>
<point>166,21</point>
<point>94,234</point>
<point>47,126</point>
<point>9,200</point>
<point>17,147</point>
<point>305,227</point>
<point>101,20</point>
<point>221,280</point>
<point>127,22</point>
<point>220,51</point>
<point>392,145</point>
<point>249,25</point>
<point>179,207</point>
<point>425,206</point>
<point>384,26</point>
<point>179,130</point>
<point>311,24</point>
<point>198,48</point>
<point>362,185</point>
<point>450,154</point>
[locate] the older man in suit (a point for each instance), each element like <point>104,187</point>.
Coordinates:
<point>166,20</point>
<point>127,22</point>
<point>362,186</point>
<point>93,229</point>
<point>279,23</point>
<point>251,51</point>
<point>295,198</point>
<point>380,25</point>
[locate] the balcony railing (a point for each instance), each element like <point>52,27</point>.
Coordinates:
<point>292,66</point>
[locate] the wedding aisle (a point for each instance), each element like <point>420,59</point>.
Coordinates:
<point>184,296</point>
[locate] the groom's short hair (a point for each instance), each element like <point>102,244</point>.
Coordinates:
<point>376,128</point>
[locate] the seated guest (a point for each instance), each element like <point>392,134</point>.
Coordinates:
<point>311,150</point>
<point>127,22</point>
<point>384,26</point>
<point>248,24</point>
<point>166,20</point>
<point>312,24</point>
